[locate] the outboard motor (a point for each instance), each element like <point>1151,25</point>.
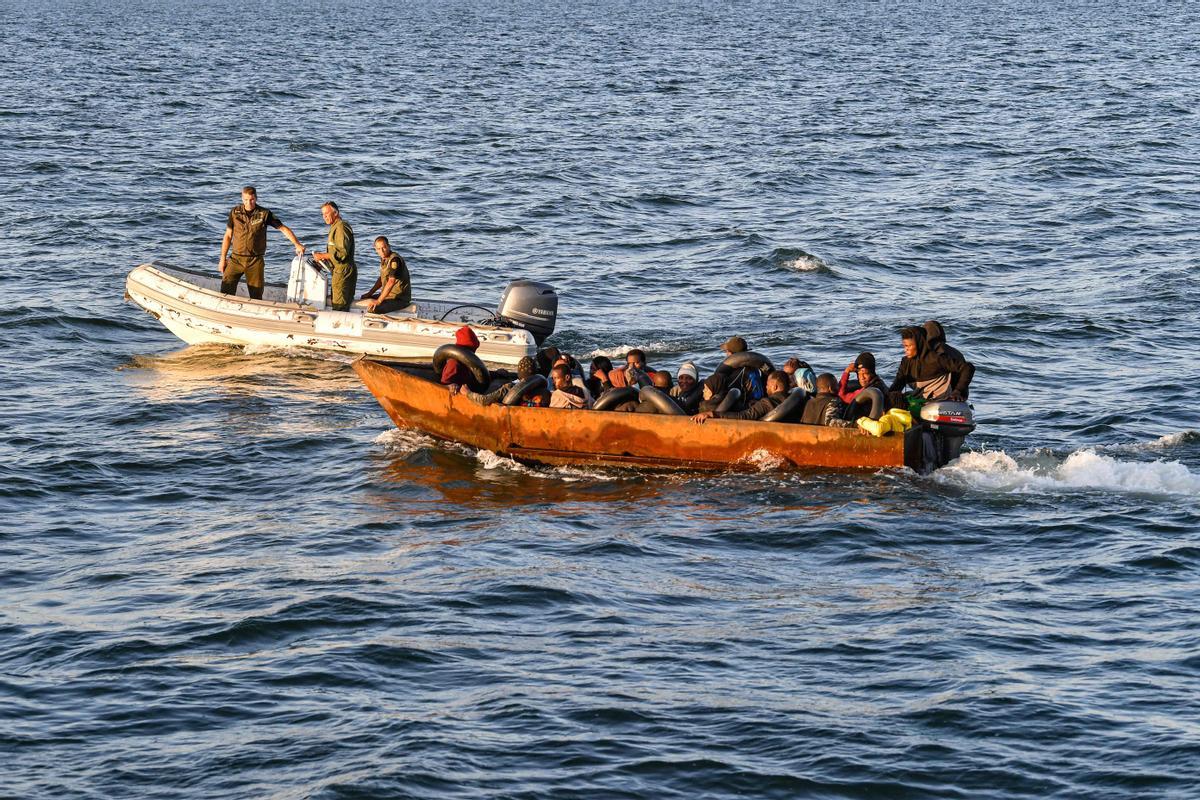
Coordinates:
<point>945,424</point>
<point>531,306</point>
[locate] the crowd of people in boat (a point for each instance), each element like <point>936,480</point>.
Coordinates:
<point>746,386</point>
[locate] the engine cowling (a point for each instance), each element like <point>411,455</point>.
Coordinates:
<point>531,306</point>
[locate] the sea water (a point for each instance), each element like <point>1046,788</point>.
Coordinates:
<point>223,573</point>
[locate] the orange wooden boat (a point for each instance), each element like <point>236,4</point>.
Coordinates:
<point>414,399</point>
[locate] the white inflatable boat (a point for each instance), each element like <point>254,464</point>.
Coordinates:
<point>191,306</point>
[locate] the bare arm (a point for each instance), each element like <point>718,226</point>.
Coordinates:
<point>371,292</point>
<point>387,288</point>
<point>224,250</point>
<point>286,231</point>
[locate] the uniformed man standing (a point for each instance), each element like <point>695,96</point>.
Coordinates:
<point>246,231</point>
<point>394,285</point>
<point>339,257</point>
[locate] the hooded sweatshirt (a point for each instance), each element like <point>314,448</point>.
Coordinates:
<point>570,397</point>
<point>454,372</point>
<point>935,336</point>
<point>933,374</point>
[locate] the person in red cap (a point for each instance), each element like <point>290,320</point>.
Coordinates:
<point>454,374</point>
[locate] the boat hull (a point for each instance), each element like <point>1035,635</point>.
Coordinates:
<point>605,438</point>
<point>190,305</point>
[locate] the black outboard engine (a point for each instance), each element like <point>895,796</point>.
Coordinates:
<point>530,305</point>
<point>944,426</point>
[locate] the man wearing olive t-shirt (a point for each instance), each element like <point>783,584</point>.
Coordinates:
<point>246,231</point>
<point>394,285</point>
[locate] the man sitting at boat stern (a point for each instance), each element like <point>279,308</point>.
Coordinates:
<point>566,394</point>
<point>394,285</point>
<point>339,257</point>
<point>778,385</point>
<point>936,375</point>
<point>246,231</point>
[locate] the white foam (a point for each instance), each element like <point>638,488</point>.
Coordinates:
<point>400,440</point>
<point>1083,469</point>
<point>765,460</point>
<point>490,460</point>
<point>1172,440</point>
<point>803,263</point>
<point>620,350</point>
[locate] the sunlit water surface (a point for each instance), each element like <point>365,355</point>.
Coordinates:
<point>223,573</point>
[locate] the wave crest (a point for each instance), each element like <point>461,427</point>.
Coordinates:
<point>1083,469</point>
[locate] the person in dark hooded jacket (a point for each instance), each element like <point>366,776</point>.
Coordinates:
<point>935,339</point>
<point>932,374</point>
<point>455,374</point>
<point>716,386</point>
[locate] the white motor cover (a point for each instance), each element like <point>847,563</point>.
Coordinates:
<point>308,285</point>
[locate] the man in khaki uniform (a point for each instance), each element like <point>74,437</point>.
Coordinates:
<point>246,231</point>
<point>394,285</point>
<point>339,257</point>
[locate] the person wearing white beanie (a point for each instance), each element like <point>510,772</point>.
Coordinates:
<point>687,388</point>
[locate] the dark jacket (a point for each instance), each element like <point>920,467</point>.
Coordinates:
<point>933,373</point>
<point>935,338</point>
<point>690,402</point>
<point>825,409</point>
<point>757,410</point>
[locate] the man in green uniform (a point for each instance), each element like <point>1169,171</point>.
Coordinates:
<point>246,231</point>
<point>339,257</point>
<point>394,285</point>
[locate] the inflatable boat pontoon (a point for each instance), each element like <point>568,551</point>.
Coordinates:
<point>191,306</point>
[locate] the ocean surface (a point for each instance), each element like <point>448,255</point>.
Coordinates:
<point>224,574</point>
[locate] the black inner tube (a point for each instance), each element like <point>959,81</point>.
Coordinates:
<point>870,398</point>
<point>614,397</point>
<point>468,359</point>
<point>731,399</point>
<point>747,358</point>
<point>517,393</point>
<point>661,401</point>
<point>793,405</point>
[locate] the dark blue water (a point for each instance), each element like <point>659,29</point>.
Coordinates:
<point>223,574</point>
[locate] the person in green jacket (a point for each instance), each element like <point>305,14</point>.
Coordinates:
<point>339,257</point>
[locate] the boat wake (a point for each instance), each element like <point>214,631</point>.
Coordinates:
<point>1082,470</point>
<point>1161,443</point>
<point>399,441</point>
<point>493,461</point>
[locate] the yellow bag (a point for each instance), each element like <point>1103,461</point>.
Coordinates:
<point>875,427</point>
<point>901,419</point>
